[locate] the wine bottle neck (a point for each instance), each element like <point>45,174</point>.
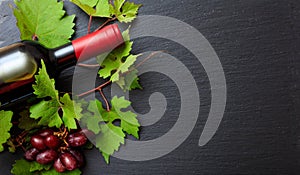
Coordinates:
<point>91,45</point>
<point>64,56</point>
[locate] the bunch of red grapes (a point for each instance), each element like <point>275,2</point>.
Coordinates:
<point>58,148</point>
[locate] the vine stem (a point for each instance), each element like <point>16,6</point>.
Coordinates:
<point>105,100</point>
<point>107,21</point>
<point>89,65</point>
<point>89,24</point>
<point>148,58</point>
<point>34,37</point>
<point>20,139</point>
<point>144,60</point>
<point>95,89</point>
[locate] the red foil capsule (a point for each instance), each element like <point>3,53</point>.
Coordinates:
<point>105,40</point>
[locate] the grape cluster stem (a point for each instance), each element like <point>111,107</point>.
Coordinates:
<point>62,134</point>
<point>19,140</point>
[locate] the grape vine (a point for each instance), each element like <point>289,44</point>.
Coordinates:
<point>48,131</point>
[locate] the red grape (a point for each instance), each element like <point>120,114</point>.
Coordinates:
<point>69,161</point>
<point>76,139</point>
<point>37,142</point>
<point>52,141</point>
<point>31,154</point>
<point>45,132</point>
<point>46,157</point>
<point>79,157</point>
<point>58,166</point>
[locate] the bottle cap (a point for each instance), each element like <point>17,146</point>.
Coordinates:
<point>101,41</point>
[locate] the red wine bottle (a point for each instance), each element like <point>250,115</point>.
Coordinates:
<point>20,61</point>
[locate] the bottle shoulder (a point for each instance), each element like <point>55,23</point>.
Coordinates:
<point>34,47</point>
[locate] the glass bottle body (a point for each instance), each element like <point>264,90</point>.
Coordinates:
<point>16,64</point>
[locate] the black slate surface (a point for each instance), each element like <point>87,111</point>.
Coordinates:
<point>257,43</point>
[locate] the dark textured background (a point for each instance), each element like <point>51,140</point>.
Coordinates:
<point>257,42</point>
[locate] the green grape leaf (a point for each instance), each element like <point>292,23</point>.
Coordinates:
<point>102,9</point>
<point>129,123</point>
<point>91,3</point>
<point>93,120</point>
<point>109,140</point>
<point>5,126</point>
<point>107,65</point>
<point>54,172</point>
<point>96,8</point>
<point>135,84</point>
<point>44,87</point>
<point>121,82</point>
<point>124,11</point>
<point>71,111</point>
<point>22,167</point>
<point>44,20</point>
<point>11,146</point>
<point>25,122</point>
<point>112,67</point>
<point>93,124</point>
<point>109,136</point>
<point>117,5</point>
<point>129,81</point>
<point>34,166</point>
<point>86,6</point>
<point>48,112</point>
<point>124,67</point>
